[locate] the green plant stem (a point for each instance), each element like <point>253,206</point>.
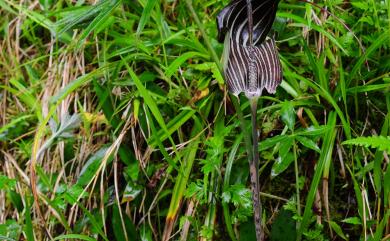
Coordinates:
<point>254,172</point>
<point>251,153</point>
<point>233,98</point>
<point>296,170</point>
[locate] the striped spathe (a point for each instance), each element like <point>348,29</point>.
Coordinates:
<point>250,69</point>
<point>250,59</point>
<point>234,19</point>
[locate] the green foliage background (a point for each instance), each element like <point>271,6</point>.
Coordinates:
<point>115,123</point>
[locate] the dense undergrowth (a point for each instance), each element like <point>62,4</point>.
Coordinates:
<point>115,124</point>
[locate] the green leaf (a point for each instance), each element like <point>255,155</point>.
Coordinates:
<point>360,4</point>
<point>376,44</point>
<point>119,222</point>
<point>131,192</point>
<point>175,65</point>
<point>197,191</point>
<point>65,130</point>
<point>326,154</point>
<point>239,195</point>
<point>352,220</point>
<point>285,147</point>
<point>145,15</point>
<point>74,236</point>
<point>6,183</point>
<point>28,228</point>
<point>12,124</point>
<point>380,142</point>
<point>281,165</point>
<point>91,167</point>
<point>313,131</point>
<point>308,143</point>
<point>338,230</point>
<point>77,83</point>
<point>285,157</point>
<point>99,20</point>
<point>283,227</point>
<point>73,193</point>
<point>271,142</point>
<point>148,99</point>
<point>10,230</point>
<point>184,174</point>
<point>287,113</point>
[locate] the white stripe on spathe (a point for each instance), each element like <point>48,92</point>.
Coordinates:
<point>267,69</point>
<point>233,19</point>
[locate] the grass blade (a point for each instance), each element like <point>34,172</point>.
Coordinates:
<point>326,155</point>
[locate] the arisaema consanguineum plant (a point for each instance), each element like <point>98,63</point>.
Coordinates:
<point>250,64</point>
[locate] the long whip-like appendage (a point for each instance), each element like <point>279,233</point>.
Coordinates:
<point>254,173</point>
<point>254,163</point>
<point>250,21</point>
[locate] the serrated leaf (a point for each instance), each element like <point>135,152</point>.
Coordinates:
<point>68,124</point>
<point>226,197</point>
<point>380,142</point>
<point>240,195</point>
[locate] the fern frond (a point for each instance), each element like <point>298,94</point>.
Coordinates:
<point>380,142</point>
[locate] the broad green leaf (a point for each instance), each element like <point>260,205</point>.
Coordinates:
<point>281,165</point>
<point>122,221</point>
<point>338,230</point>
<point>352,220</point>
<point>90,168</point>
<point>312,131</point>
<point>271,142</point>
<point>288,114</point>
<point>308,143</point>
